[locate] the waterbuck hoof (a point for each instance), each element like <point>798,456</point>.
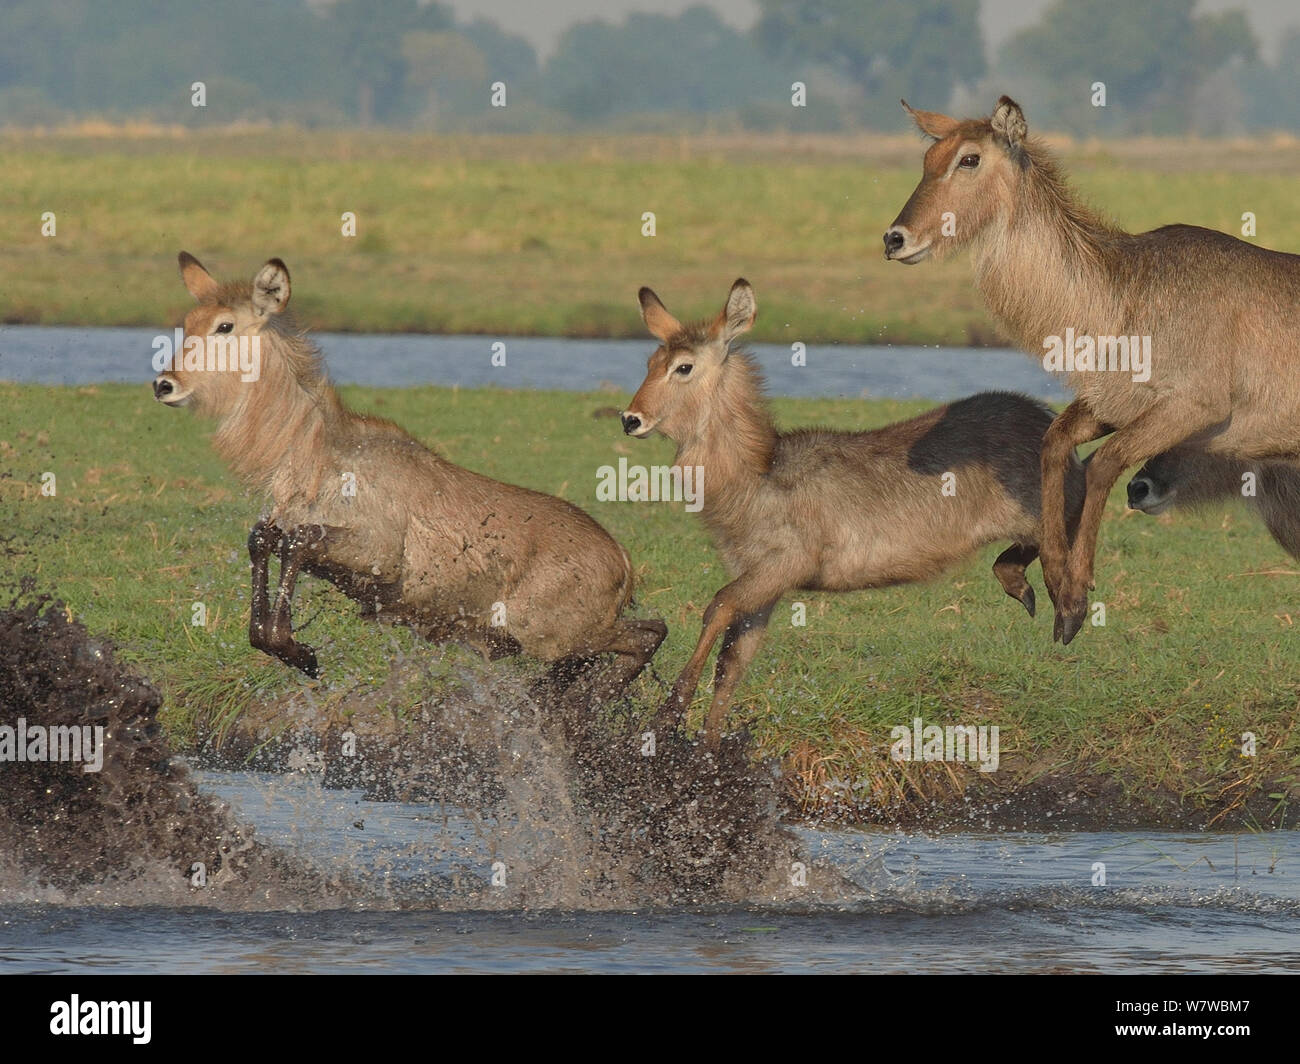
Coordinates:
<point>1029,601</point>
<point>1067,626</point>
<point>301,657</point>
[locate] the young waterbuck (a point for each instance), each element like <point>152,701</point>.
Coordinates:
<point>819,510</point>
<point>1178,335</point>
<point>412,537</point>
<point>1185,477</point>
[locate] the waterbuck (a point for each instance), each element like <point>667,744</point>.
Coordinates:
<point>1186,478</point>
<point>1208,322</point>
<point>819,510</point>
<point>412,537</point>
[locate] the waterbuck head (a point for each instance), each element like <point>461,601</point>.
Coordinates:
<point>971,174</point>
<point>219,357</point>
<point>685,371</point>
<point>1188,477</point>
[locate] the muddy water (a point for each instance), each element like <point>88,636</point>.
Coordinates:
<point>912,903</point>
<point>61,355</point>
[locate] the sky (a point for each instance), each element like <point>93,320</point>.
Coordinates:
<point>543,21</point>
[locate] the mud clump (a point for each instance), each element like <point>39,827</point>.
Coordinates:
<point>136,828</point>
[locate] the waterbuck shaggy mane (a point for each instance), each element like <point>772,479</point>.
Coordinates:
<point>1218,316</point>
<point>815,509</point>
<point>412,537</point>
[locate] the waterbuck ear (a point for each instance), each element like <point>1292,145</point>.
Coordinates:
<point>931,123</point>
<point>197,280</point>
<point>1009,122</point>
<point>738,315</point>
<point>271,288</point>
<point>662,325</point>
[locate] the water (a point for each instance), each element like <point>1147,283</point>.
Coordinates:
<point>59,355</point>
<point>1021,902</point>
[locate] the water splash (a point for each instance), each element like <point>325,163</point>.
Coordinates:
<point>576,819</point>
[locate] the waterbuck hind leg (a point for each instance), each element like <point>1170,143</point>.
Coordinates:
<point>585,681</point>
<point>1010,571</point>
<point>263,541</point>
<point>298,547</point>
<point>633,643</point>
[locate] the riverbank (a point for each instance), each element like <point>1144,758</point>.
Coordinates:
<point>515,236</point>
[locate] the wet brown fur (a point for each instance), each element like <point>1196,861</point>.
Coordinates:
<point>422,542</point>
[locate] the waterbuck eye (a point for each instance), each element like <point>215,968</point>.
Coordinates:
<point>226,326</point>
<point>969,162</point>
<point>684,370</point>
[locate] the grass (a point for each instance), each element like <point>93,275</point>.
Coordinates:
<point>514,236</point>
<point>1198,645</point>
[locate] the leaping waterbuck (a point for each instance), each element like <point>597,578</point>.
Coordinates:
<point>414,538</point>
<point>1180,335</point>
<point>1188,478</point>
<point>819,510</point>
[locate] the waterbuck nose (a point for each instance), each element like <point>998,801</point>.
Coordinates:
<point>631,423</point>
<point>1138,490</point>
<point>162,386</point>
<point>894,239</point>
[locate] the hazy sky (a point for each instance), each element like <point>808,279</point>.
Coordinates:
<point>542,21</point>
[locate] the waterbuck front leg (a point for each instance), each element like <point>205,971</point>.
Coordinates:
<point>740,643</point>
<point>1158,429</point>
<point>738,599</point>
<point>297,548</point>
<point>1076,424</point>
<point>263,541</point>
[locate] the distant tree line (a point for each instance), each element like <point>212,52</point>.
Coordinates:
<point>1160,66</point>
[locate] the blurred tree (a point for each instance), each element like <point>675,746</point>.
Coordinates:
<point>367,50</point>
<point>440,62</point>
<point>509,58</point>
<point>916,49</point>
<point>693,63</point>
<point>1149,54</point>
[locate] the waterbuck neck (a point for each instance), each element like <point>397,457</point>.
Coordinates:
<point>1044,265</point>
<point>281,420</point>
<point>736,441</point>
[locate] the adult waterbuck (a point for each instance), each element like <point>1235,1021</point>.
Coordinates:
<point>1187,478</point>
<point>819,510</point>
<point>1180,335</point>
<point>412,537</point>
